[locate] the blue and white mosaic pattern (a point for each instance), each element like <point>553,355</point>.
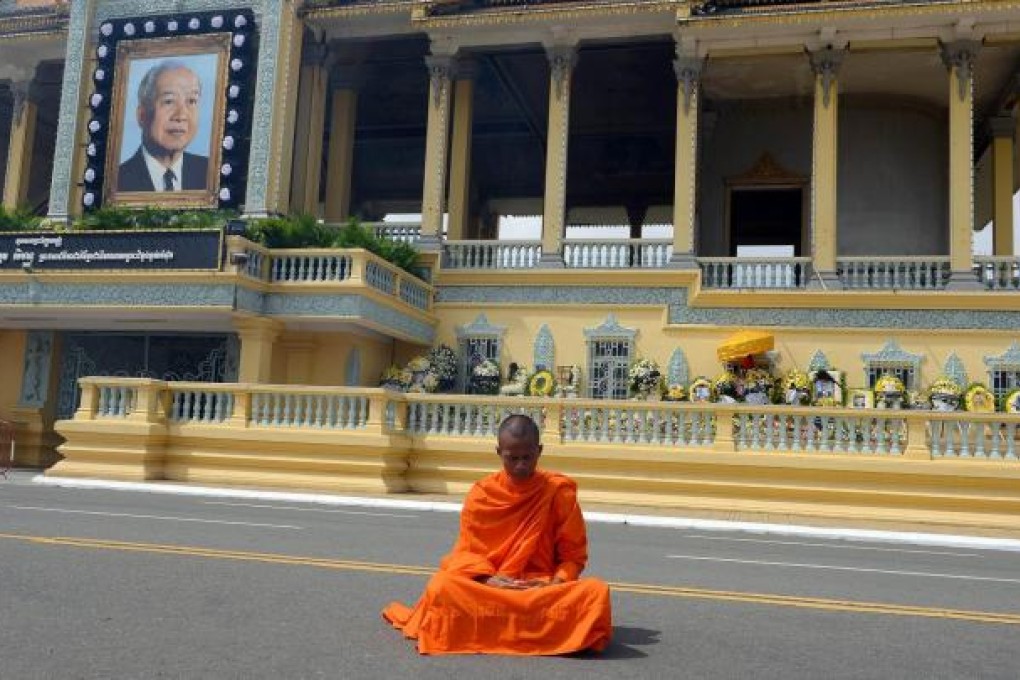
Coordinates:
<point>545,349</point>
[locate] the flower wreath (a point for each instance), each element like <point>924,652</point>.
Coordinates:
<point>978,399</point>
<point>1011,402</point>
<point>541,384</point>
<point>699,385</point>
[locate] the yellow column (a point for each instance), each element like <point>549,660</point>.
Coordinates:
<point>19,150</point>
<point>257,337</point>
<point>824,163</point>
<point>1002,129</point>
<point>685,183</point>
<point>460,149</point>
<point>562,59</point>
<point>959,57</point>
<point>309,130</point>
<point>436,146</point>
<point>340,161</point>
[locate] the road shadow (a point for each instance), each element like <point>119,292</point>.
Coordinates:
<point>626,640</point>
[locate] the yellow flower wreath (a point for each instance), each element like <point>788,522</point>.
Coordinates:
<point>541,384</point>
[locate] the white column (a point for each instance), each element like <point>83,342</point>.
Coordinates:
<point>685,177</point>
<point>825,64</point>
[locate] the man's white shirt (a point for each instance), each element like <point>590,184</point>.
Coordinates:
<point>157,170</point>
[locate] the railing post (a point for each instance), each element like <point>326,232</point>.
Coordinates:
<point>89,400</point>
<point>240,416</point>
<point>723,430</point>
<point>552,424</point>
<point>358,261</point>
<point>150,404</point>
<point>376,421</point>
<point>399,424</point>
<point>917,443</point>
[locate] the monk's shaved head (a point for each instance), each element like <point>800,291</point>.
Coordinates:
<point>519,426</point>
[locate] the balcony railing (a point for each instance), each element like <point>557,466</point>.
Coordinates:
<point>407,232</point>
<point>491,254</point>
<point>617,253</point>
<point>754,272</point>
<point>351,266</point>
<point>998,273</point>
<point>893,273</point>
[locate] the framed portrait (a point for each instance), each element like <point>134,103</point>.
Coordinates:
<point>171,111</point>
<point>166,114</point>
<point>861,398</point>
<point>826,387</point>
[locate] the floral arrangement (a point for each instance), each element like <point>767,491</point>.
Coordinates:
<point>676,393</point>
<point>542,384</point>
<point>725,385</point>
<point>443,361</point>
<point>391,377</point>
<point>485,378</point>
<point>702,390</point>
<point>944,394</point>
<point>978,399</point>
<point>418,364</point>
<point>796,388</point>
<point>486,369</point>
<point>888,384</point>
<point>645,377</point>
<point>1011,402</point>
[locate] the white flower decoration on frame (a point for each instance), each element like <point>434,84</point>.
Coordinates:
<point>226,169</point>
<point>216,21</point>
<point>90,174</point>
<point>100,74</point>
<point>224,194</point>
<point>233,116</point>
<point>194,24</point>
<point>228,142</point>
<point>239,40</point>
<point>102,51</point>
<point>106,29</point>
<point>96,100</point>
<point>129,29</point>
<point>233,91</point>
<point>236,65</point>
<point>240,22</point>
<point>88,199</point>
<point>171,25</point>
<point>150,26</point>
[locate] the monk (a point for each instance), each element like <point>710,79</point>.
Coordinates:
<point>511,584</point>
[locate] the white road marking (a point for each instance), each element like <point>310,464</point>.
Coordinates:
<point>962,577</point>
<point>291,507</point>
<point>162,517</point>
<point>834,547</point>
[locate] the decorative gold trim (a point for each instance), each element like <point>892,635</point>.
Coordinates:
<point>766,171</point>
<point>822,16</point>
<point>366,9</point>
<point>529,13</point>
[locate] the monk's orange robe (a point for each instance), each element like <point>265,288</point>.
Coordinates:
<point>530,530</point>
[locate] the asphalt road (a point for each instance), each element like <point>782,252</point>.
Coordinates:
<point>108,584</point>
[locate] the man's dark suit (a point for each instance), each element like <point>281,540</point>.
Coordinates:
<point>133,174</point>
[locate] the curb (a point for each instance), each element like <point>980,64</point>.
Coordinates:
<point>876,536</point>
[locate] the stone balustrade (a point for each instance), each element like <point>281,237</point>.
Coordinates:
<point>491,254</point>
<point>831,462</point>
<point>998,273</point>
<point>617,253</point>
<point>353,266</point>
<point>754,272</point>
<point>893,273</point>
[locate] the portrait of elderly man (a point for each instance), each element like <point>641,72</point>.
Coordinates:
<point>169,98</point>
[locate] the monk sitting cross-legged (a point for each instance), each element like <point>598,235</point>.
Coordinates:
<point>510,585</point>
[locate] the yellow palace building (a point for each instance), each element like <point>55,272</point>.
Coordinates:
<point>768,189</point>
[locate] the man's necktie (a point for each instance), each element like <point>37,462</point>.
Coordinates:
<point>168,180</point>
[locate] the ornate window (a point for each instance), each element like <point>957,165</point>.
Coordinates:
<point>1004,371</point>
<point>610,348</point>
<point>476,342</point>
<point>892,359</point>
